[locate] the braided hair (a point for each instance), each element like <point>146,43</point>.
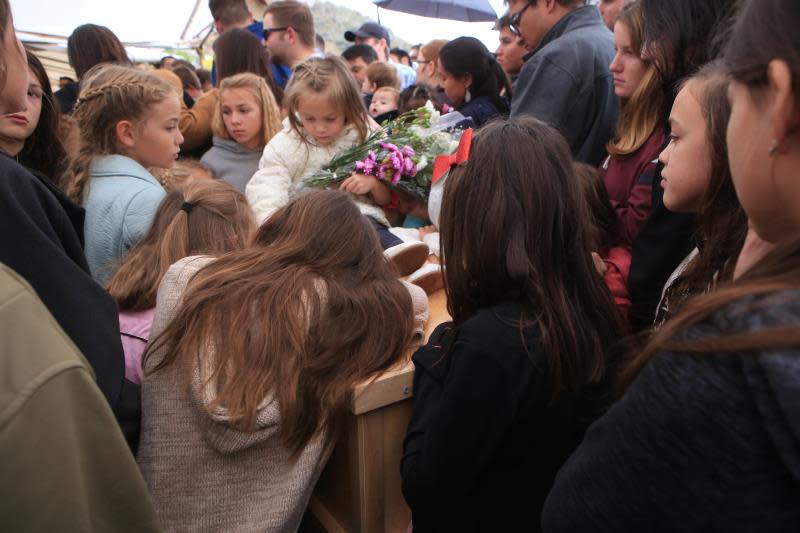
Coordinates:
<point>110,94</point>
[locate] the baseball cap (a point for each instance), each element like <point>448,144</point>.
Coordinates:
<point>367,30</point>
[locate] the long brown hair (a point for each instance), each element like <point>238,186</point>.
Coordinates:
<point>761,31</point>
<point>602,222</point>
<point>308,311</point>
<point>237,51</point>
<point>43,151</point>
<point>512,229</point>
<point>640,114</point>
<point>109,94</point>
<point>206,217</point>
<point>89,45</point>
<point>327,75</point>
<point>722,223</point>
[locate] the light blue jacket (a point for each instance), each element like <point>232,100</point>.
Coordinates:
<point>121,201</point>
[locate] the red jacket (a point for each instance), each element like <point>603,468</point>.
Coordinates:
<point>628,181</point>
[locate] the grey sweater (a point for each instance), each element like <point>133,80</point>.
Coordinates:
<point>204,475</point>
<point>232,162</point>
<point>567,83</point>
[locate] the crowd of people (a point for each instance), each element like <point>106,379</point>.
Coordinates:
<point>184,319</point>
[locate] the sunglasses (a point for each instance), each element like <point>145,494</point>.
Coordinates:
<point>270,31</point>
<point>513,22</point>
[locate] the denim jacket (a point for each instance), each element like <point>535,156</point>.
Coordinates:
<point>121,201</point>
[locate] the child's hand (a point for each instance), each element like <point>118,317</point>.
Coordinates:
<point>359,184</point>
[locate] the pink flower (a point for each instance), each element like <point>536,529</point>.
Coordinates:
<point>367,166</point>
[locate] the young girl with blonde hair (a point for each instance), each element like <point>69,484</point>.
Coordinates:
<point>128,121</point>
<point>326,115</point>
<point>249,379</point>
<point>206,217</point>
<point>246,118</point>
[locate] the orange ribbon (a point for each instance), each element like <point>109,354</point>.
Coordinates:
<point>443,163</point>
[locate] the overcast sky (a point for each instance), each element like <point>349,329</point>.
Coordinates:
<point>164,20</point>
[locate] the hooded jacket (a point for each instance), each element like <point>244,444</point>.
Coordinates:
<point>707,442</point>
<point>203,472</point>
<point>231,162</point>
<point>566,82</point>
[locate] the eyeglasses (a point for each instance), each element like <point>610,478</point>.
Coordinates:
<point>269,31</point>
<point>513,22</point>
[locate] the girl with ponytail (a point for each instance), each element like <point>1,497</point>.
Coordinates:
<point>204,218</point>
<point>128,121</point>
<point>473,80</point>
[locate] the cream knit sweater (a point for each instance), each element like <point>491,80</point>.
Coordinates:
<point>287,161</point>
<point>205,475</point>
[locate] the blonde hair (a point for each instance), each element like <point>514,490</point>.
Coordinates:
<point>110,94</point>
<point>207,217</point>
<point>641,113</point>
<point>270,112</point>
<point>383,75</point>
<point>331,76</point>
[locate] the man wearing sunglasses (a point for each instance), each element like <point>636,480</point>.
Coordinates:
<point>565,79</point>
<point>289,32</point>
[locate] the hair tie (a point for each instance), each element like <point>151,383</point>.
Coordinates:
<point>187,206</point>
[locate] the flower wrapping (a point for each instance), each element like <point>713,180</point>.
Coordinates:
<point>398,153</point>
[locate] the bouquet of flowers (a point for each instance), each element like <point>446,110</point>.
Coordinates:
<point>400,154</point>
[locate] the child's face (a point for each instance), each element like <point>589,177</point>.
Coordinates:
<point>156,141</point>
<point>320,118</point>
<point>242,117</point>
<point>687,158</point>
<point>382,102</point>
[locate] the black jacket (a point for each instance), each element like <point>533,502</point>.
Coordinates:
<point>566,82</point>
<point>698,443</point>
<point>663,242</point>
<point>485,442</point>
<point>38,240</point>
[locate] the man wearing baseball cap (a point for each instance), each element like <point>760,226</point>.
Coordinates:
<point>377,37</point>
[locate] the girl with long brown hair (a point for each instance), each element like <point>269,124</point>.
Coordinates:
<point>706,435</point>
<point>697,179</point>
<point>628,170</point>
<point>205,217</point>
<point>505,391</point>
<point>253,365</point>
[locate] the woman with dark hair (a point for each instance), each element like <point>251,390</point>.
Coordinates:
<point>31,135</point>
<point>88,45</point>
<point>61,360</point>
<point>235,51</point>
<point>473,80</point>
<point>504,392</point>
<point>679,37</point>
<point>706,436</point>
<point>697,179</point>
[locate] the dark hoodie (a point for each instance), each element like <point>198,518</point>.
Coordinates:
<point>698,443</point>
<point>38,241</point>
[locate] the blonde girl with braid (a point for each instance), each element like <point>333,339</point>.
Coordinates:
<point>128,122</point>
<point>326,116</point>
<point>207,217</point>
